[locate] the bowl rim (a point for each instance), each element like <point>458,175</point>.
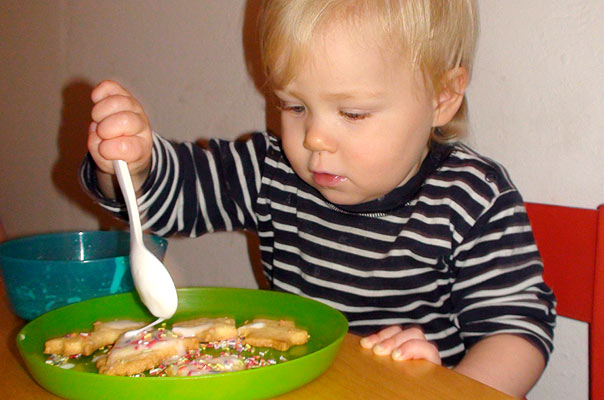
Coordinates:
<point>162,242</point>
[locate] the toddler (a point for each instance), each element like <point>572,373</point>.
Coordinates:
<point>367,201</point>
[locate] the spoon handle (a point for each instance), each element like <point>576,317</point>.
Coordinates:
<point>125,181</point>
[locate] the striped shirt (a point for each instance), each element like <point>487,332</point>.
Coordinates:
<point>450,251</point>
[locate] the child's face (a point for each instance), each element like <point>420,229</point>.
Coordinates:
<point>355,121</point>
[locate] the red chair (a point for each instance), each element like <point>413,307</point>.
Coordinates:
<point>571,243</point>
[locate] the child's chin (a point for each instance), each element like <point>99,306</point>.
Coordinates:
<point>339,197</point>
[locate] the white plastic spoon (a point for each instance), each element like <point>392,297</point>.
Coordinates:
<point>151,278</point>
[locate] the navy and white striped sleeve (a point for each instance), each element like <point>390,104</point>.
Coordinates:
<point>194,190</point>
<point>498,285</point>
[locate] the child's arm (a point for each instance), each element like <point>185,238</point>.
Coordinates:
<point>183,187</point>
<point>120,130</point>
<point>506,362</point>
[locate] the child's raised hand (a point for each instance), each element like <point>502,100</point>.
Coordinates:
<point>402,344</point>
<point>119,130</point>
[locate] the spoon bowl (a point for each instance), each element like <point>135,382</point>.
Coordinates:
<point>151,278</point>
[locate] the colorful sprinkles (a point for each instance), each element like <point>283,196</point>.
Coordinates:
<point>208,358</point>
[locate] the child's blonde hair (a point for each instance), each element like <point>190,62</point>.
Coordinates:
<point>434,35</point>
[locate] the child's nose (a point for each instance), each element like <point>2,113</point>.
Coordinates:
<point>317,139</point>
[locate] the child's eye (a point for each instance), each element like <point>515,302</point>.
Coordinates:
<point>354,116</point>
<point>291,108</point>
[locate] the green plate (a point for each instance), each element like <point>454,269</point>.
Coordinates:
<point>325,325</point>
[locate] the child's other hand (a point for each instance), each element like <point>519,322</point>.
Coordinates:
<point>119,130</point>
<point>402,344</point>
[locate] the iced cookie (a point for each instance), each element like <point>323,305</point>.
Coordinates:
<point>146,350</point>
<point>277,334</point>
<point>86,343</point>
<point>207,329</point>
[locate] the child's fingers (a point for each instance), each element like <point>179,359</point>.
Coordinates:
<point>115,104</point>
<point>128,148</point>
<point>92,127</point>
<point>388,345</point>
<point>120,129</point>
<point>93,139</point>
<point>123,123</point>
<point>94,142</point>
<point>369,341</point>
<point>108,88</point>
<point>417,349</point>
<point>131,149</point>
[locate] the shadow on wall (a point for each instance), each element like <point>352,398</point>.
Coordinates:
<point>251,49</point>
<point>71,141</point>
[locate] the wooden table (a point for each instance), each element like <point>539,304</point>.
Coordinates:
<point>355,374</point>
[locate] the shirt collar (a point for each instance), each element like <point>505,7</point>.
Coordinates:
<point>399,196</point>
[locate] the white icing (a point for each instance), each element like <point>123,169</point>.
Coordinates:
<point>132,334</point>
<point>190,331</point>
<point>255,325</point>
<point>208,365</point>
<point>98,357</point>
<point>144,342</point>
<point>226,363</point>
<point>122,324</point>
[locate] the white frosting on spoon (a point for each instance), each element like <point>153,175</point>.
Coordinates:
<point>151,278</point>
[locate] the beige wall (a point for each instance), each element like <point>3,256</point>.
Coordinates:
<point>536,106</point>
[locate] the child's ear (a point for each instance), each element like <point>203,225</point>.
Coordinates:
<point>449,100</point>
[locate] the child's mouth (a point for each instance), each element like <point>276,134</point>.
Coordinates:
<point>327,180</point>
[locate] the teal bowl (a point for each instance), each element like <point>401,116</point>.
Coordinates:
<point>45,272</point>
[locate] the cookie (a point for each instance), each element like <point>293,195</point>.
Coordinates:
<point>146,350</point>
<point>207,329</point>
<point>277,334</point>
<point>86,343</point>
